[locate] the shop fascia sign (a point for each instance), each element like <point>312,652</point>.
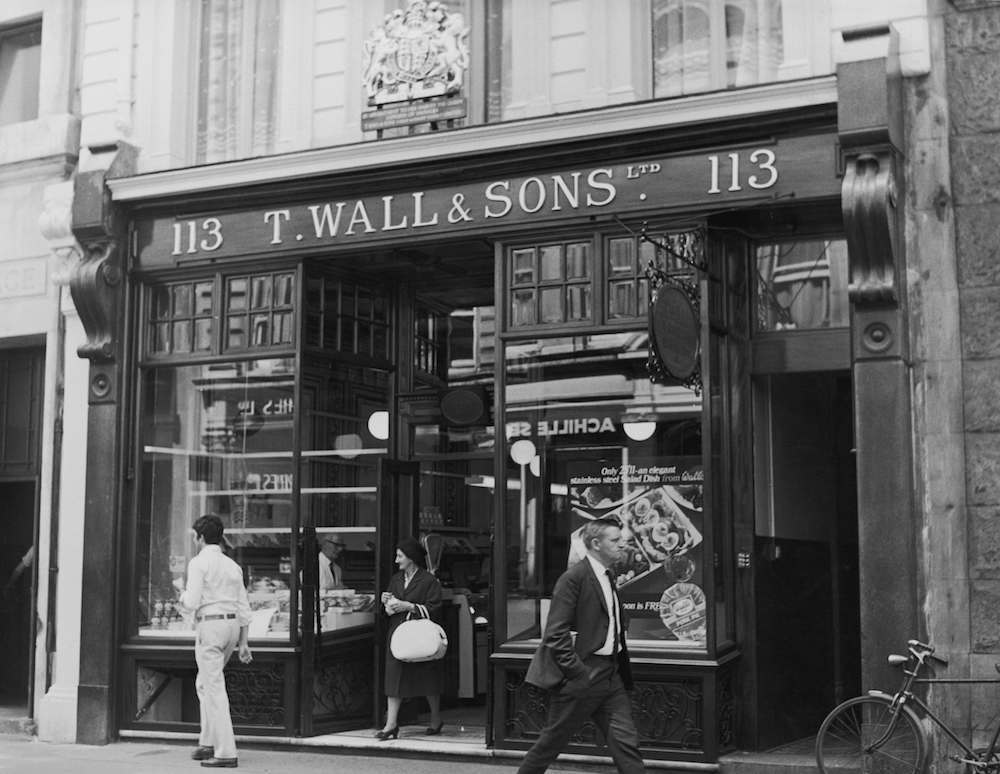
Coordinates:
<point>800,167</point>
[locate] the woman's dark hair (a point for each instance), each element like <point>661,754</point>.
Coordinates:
<point>411,547</point>
<point>210,528</point>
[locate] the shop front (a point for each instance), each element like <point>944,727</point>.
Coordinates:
<point>553,335</point>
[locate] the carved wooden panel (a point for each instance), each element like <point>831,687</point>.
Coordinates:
<point>257,695</point>
<point>342,687</point>
<point>670,714</point>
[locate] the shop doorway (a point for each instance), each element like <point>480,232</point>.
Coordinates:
<point>16,602</point>
<point>805,559</point>
<point>399,412</point>
<point>21,390</point>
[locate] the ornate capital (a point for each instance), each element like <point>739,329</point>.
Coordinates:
<point>871,219</point>
<point>55,222</point>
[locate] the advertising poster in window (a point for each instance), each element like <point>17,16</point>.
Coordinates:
<point>660,572</point>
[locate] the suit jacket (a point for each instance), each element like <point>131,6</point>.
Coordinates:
<point>577,606</point>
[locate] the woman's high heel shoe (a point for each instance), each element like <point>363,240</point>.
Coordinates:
<point>387,733</point>
<point>434,730</point>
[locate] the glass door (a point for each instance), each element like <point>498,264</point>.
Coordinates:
<point>344,442</point>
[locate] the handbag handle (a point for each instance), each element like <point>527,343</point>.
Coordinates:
<point>419,610</point>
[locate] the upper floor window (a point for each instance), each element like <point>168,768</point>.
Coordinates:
<point>237,79</point>
<point>705,45</point>
<point>20,64</point>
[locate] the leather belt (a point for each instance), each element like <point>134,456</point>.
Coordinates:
<point>218,617</point>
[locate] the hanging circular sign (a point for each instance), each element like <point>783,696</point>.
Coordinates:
<point>675,330</point>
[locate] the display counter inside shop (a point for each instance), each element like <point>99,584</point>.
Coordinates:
<point>270,615</point>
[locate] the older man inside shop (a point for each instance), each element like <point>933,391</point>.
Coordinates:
<point>331,574</point>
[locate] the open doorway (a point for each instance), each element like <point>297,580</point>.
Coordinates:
<point>17,567</point>
<point>435,430</point>
<point>21,390</point>
<point>806,548</point>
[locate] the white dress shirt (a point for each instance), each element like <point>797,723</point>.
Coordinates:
<point>215,586</point>
<point>330,574</point>
<point>608,648</point>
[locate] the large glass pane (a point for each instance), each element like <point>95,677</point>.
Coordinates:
<point>217,439</point>
<point>589,436</point>
<point>802,285</point>
<point>345,431</point>
<point>551,260</point>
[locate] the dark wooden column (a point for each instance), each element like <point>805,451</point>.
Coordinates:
<point>97,286</point>
<point>871,139</point>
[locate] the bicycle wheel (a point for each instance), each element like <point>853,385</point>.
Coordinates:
<point>846,738</point>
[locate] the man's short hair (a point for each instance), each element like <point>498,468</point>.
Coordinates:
<point>209,527</point>
<point>595,529</point>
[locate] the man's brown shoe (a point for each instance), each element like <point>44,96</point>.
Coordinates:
<point>220,763</point>
<point>203,753</point>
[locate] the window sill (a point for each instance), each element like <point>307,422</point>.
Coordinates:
<point>53,136</point>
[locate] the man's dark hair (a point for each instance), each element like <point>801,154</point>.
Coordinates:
<point>595,529</point>
<point>210,528</point>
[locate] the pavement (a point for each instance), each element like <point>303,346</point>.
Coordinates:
<point>31,756</point>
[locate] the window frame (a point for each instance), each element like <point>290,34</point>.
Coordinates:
<point>7,32</point>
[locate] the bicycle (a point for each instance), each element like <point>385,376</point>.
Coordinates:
<point>883,733</point>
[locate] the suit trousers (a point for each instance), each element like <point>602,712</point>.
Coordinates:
<point>215,643</point>
<point>608,703</point>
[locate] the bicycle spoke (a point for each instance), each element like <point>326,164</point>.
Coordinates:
<point>868,735</point>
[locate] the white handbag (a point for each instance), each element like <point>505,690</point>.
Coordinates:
<point>418,639</point>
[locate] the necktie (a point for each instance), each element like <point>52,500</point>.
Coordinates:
<point>614,612</point>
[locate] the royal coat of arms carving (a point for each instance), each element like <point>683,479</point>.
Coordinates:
<point>418,52</point>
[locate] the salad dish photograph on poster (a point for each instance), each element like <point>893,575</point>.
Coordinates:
<point>660,572</point>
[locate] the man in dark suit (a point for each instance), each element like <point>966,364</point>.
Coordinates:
<point>589,676</point>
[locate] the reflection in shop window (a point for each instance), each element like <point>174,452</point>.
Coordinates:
<point>704,45</point>
<point>180,318</point>
<point>588,436</point>
<point>216,439</point>
<point>260,310</point>
<point>802,285</point>
<point>550,284</point>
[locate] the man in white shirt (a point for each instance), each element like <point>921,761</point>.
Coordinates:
<point>331,576</point>
<point>217,598</point>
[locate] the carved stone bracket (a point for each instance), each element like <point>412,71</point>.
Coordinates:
<point>870,131</point>
<point>96,281</point>
<point>94,284</point>
<point>871,219</point>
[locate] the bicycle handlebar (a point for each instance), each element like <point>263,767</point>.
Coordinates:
<point>922,650</point>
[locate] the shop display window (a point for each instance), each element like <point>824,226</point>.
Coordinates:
<point>217,438</point>
<point>802,285</point>
<point>589,436</point>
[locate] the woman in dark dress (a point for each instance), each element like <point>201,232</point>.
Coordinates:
<point>413,592</point>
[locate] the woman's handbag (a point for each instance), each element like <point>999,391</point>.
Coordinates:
<point>418,639</point>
